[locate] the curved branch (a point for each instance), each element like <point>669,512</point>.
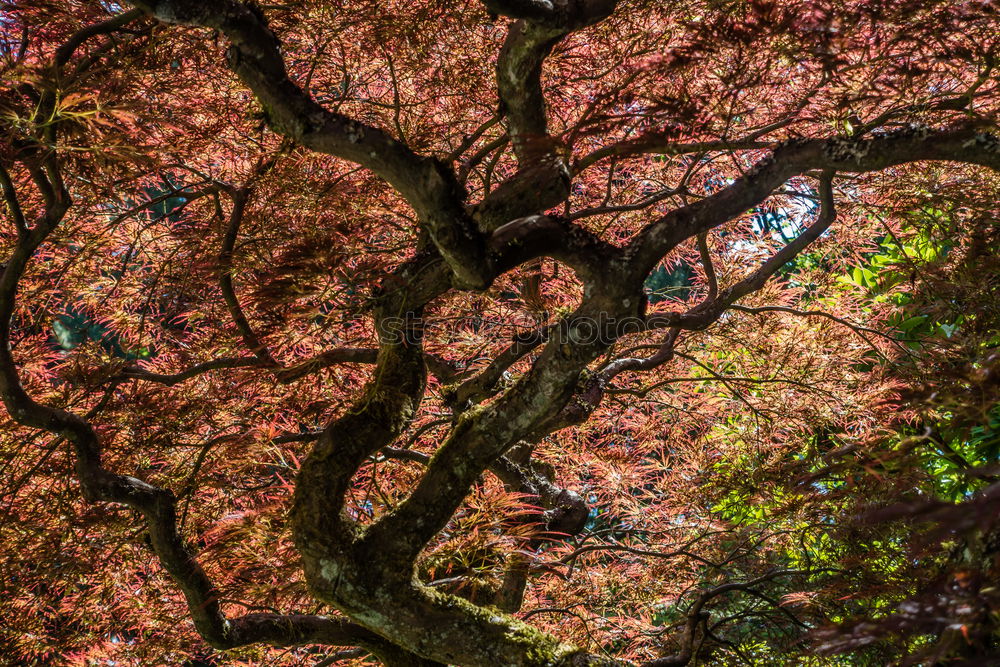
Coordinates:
<point>481,386</point>
<point>157,505</point>
<point>696,616</point>
<point>427,184</point>
<point>519,68</point>
<point>13,203</point>
<point>225,260</point>
<point>966,143</point>
<point>543,179</point>
<point>66,50</point>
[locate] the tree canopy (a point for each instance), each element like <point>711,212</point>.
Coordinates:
<point>502,332</point>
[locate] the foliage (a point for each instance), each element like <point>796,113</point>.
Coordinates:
<point>501,332</point>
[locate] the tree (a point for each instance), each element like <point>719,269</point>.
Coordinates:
<point>520,333</point>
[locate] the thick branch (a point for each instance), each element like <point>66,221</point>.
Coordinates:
<point>156,505</point>
<point>964,144</point>
<point>427,184</point>
<point>543,178</point>
<point>519,67</point>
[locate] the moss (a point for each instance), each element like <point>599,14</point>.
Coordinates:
<point>470,416</point>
